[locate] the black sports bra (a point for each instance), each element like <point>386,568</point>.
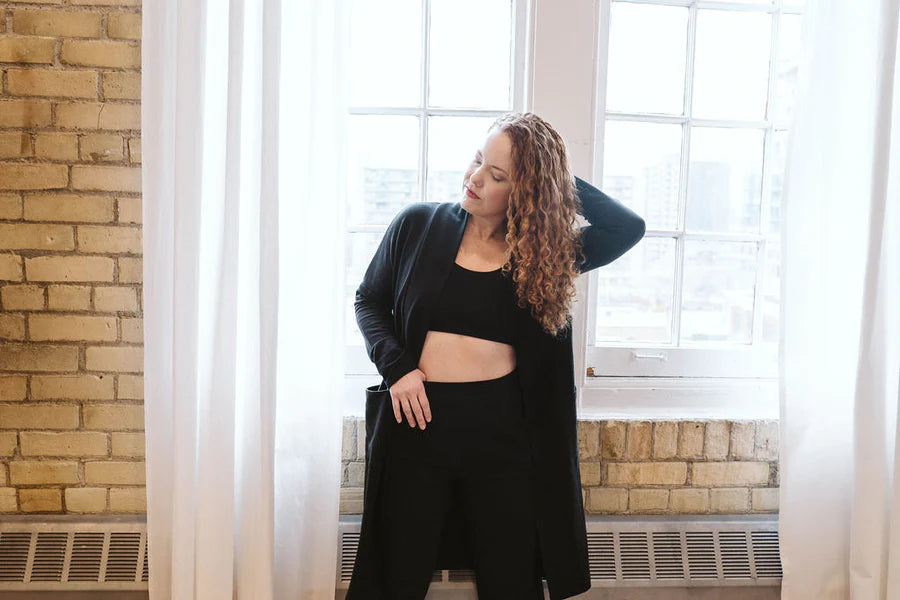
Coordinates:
<point>475,303</point>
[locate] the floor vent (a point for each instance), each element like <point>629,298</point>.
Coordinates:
<point>647,551</point>
<point>59,552</point>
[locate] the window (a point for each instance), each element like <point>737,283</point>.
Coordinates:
<point>428,78</point>
<point>698,105</point>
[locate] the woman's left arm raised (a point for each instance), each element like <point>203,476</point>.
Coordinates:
<point>614,228</point>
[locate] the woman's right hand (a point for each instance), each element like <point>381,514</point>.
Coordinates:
<point>408,394</point>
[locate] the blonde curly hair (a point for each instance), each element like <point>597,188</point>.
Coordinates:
<point>543,241</point>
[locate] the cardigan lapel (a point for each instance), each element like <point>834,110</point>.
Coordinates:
<point>432,266</point>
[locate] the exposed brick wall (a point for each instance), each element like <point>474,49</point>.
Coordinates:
<point>71,389</point>
<point>646,467</point>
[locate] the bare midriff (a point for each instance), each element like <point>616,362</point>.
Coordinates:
<point>454,357</point>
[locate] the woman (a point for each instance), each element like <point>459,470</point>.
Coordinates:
<point>477,357</point>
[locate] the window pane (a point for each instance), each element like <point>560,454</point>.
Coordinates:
<point>717,297</point>
<point>452,142</point>
<point>779,157</point>
<point>771,297</point>
<point>634,294</point>
<point>786,67</point>
<point>731,65</point>
<point>383,167</point>
<point>470,54</point>
<point>385,53</point>
<point>724,180</point>
<point>646,58</point>
<point>641,163</point>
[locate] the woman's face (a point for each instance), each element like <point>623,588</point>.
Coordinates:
<point>488,177</point>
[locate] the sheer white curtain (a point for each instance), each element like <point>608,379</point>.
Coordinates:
<point>839,515</point>
<point>242,127</point>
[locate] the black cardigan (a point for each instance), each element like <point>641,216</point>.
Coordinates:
<point>392,306</point>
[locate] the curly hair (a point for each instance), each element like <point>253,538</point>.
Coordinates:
<point>543,242</point>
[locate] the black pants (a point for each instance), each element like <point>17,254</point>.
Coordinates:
<point>473,451</point>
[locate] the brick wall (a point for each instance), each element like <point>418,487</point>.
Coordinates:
<point>71,414</point>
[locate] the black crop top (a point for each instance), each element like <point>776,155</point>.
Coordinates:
<point>475,303</point>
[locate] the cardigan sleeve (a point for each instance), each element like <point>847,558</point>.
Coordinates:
<point>373,306</point>
<point>614,228</point>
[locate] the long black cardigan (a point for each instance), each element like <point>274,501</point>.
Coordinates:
<point>405,276</point>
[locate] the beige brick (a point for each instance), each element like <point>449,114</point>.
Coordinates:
<point>14,144</point>
<point>767,440</point>
<point>43,327</point>
<point>132,499</point>
<point>128,444</point>
<point>114,472</point>
<point>7,446</point>
<point>131,387</point>
<point>56,146</point>
<point>590,473</point>
<point>38,1</point>
<point>98,115</point>
<point>131,270</point>
<point>130,210</point>
<point>691,439</point>
<point>37,357</point>
<point>23,49</point>
<point>134,149</point>
<point>132,330</point>
<point>69,207</point>
<point>8,502</point>
<point>124,25</point>
<point>71,443</point>
<point>607,500</point>
<point>101,53</point>
<point>69,297</point>
<point>588,439</point>
<point>732,473</point>
<point>113,416</point>
<point>717,435</point>
<point>39,472</point>
<point>351,500</point>
<point>85,499</point>
<point>640,436</point>
<point>743,439</point>
<point>123,179</point>
<point>115,299</point>
<point>665,443</point>
<point>12,387</point>
<point>612,439</point>
<point>11,267</point>
<point>72,387</point>
<point>730,500</point>
<point>38,416</point>
<point>22,297</point>
<point>56,23</point>
<point>10,205</point>
<point>123,359</point>
<point>102,147</point>
<point>361,435</point>
<point>69,268</point>
<point>647,473</point>
<point>689,500</point>
<point>356,473</point>
<point>31,236</point>
<point>52,82</point>
<point>40,500</point>
<point>648,499</point>
<point>24,113</point>
<point>12,327</point>
<point>117,85</point>
<point>24,176</point>
<point>765,499</point>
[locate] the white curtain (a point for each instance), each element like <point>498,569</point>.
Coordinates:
<point>839,516</point>
<point>244,305</point>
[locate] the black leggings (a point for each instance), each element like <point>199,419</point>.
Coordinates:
<point>473,451</point>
